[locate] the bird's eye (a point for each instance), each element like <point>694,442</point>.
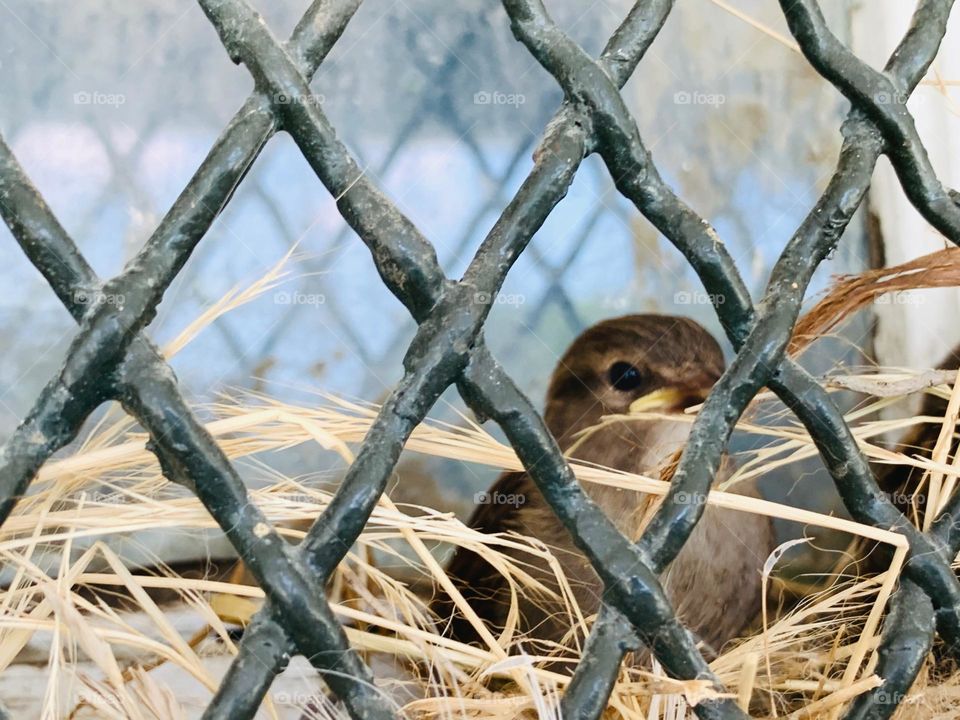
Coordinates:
<point>625,377</point>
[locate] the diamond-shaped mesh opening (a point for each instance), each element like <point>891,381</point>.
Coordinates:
<point>111,357</point>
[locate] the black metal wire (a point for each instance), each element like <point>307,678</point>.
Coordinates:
<point>110,359</point>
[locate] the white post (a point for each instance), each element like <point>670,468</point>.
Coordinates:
<point>919,328</point>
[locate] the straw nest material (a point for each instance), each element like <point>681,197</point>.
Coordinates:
<point>160,654</point>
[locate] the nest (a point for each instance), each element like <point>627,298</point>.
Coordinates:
<point>160,649</point>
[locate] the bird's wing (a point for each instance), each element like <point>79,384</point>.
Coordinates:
<point>474,577</point>
<point>492,517</point>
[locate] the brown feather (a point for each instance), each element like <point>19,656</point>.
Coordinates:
<point>715,580</point>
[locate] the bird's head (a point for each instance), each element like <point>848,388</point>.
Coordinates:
<point>654,363</point>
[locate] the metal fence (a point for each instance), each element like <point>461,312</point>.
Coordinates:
<point>110,358</point>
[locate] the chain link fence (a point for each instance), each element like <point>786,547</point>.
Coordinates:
<point>112,359</point>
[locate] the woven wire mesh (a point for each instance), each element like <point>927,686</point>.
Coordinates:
<point>110,358</point>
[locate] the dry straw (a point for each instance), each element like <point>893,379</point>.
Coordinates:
<point>164,660</point>
<point>102,661</point>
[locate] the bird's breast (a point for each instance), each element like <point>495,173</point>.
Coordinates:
<point>636,446</point>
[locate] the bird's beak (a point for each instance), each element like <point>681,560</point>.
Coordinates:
<point>667,399</point>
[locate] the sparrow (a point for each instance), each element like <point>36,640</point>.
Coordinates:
<point>652,363</point>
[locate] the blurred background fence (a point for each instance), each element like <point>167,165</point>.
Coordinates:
<point>110,106</point>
